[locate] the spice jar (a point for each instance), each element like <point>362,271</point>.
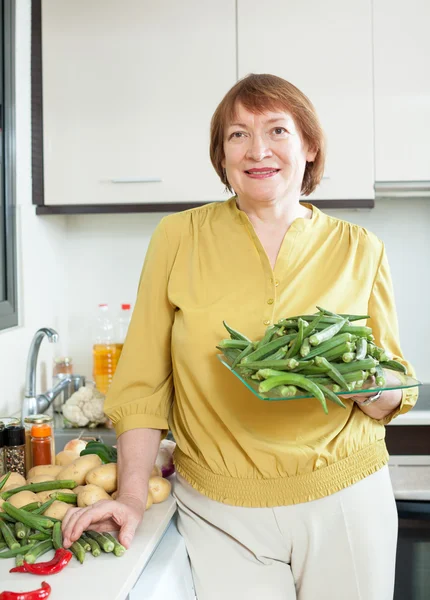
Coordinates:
<point>28,424</point>
<point>10,421</point>
<point>15,450</point>
<point>41,445</point>
<point>63,365</point>
<point>2,465</point>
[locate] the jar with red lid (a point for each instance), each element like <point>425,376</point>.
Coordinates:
<point>41,444</point>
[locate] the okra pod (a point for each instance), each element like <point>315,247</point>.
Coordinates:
<point>240,344</point>
<point>34,521</point>
<point>19,550</point>
<point>348,357</point>
<point>4,480</point>
<point>327,333</point>
<point>379,376</point>
<point>288,390</point>
<point>9,536</point>
<point>95,548</point>
<point>105,544</point>
<point>336,340</point>
<point>332,372</point>
<point>37,550</point>
<point>267,349</point>
<point>298,340</point>
<point>118,548</point>
<point>337,351</point>
<point>331,395</point>
<point>63,497</point>
<point>57,535</point>
<point>293,379</point>
<point>235,335</point>
<point>43,507</point>
<point>40,487</point>
<point>394,365</point>
<point>249,348</point>
<point>305,348</point>
<point>78,551</point>
<point>85,545</point>
<point>20,530</point>
<point>361,348</point>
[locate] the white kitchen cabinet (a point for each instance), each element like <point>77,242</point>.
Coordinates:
<point>168,573</point>
<point>325,49</point>
<point>129,87</point>
<point>402,90</point>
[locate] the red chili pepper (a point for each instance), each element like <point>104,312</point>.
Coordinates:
<point>39,594</point>
<point>50,567</point>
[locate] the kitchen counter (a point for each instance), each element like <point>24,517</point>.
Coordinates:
<point>410,477</point>
<point>106,577</point>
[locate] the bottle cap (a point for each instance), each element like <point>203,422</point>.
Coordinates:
<point>125,306</point>
<point>66,360</point>
<point>41,431</point>
<point>14,436</point>
<point>37,419</point>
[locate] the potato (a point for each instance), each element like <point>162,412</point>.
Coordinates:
<point>65,457</point>
<point>44,470</point>
<point>44,496</point>
<point>78,469</point>
<point>57,510</point>
<point>1,502</point>
<point>159,488</point>
<point>14,480</point>
<point>22,498</point>
<point>114,496</point>
<point>104,476</point>
<point>78,489</point>
<point>149,500</point>
<point>40,478</point>
<point>91,494</point>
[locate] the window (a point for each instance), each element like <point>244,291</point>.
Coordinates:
<point>8,275</point>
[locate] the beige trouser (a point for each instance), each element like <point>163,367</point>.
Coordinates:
<point>342,547</point>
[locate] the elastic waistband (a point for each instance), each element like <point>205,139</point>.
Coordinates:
<point>283,491</point>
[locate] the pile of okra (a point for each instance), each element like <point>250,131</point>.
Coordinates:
<point>26,533</point>
<point>324,354</point>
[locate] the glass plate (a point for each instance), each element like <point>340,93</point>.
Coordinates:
<point>404,382</point>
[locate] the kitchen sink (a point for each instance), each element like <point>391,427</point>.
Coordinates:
<point>100,434</point>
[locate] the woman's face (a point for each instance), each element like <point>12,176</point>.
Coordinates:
<point>265,156</point>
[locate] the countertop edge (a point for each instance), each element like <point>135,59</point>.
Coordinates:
<point>150,547</point>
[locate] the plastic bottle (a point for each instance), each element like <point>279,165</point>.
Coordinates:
<point>123,323</point>
<point>106,351</point>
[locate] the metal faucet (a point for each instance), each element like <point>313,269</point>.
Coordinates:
<point>37,404</point>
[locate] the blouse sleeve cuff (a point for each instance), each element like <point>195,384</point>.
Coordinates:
<point>409,399</point>
<point>141,421</point>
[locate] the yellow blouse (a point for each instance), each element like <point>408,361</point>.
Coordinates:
<point>207,265</point>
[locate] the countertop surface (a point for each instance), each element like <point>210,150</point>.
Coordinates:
<point>105,577</point>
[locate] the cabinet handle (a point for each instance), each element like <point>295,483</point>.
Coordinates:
<point>137,180</point>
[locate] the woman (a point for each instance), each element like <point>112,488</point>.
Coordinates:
<point>276,499</point>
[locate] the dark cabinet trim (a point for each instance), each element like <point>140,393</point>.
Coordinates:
<point>168,207</point>
<point>37,151</point>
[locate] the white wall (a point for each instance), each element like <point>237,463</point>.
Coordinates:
<point>40,249</point>
<point>67,265</point>
<point>106,252</point>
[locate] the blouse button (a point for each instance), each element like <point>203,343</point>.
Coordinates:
<point>276,282</point>
<point>270,301</point>
<point>266,322</point>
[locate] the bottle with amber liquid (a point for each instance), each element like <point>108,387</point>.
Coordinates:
<point>41,445</point>
<point>106,351</point>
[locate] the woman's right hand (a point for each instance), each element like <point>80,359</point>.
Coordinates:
<point>123,514</point>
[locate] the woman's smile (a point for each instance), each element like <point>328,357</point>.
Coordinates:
<point>263,173</point>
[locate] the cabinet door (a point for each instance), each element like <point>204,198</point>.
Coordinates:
<point>129,88</point>
<point>402,90</point>
<point>325,49</point>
